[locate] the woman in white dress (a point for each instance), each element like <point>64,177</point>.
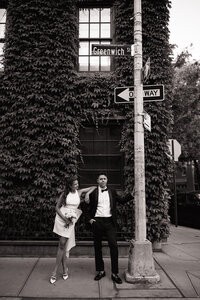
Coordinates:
<point>67,214</point>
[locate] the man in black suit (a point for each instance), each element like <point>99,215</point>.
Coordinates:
<point>102,217</point>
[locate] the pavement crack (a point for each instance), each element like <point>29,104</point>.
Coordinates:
<point>99,287</point>
<point>28,277</point>
<point>169,278</point>
<point>188,275</point>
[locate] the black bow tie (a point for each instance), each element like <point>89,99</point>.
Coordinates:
<point>104,190</point>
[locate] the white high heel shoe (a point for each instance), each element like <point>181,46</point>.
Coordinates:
<point>65,275</point>
<point>52,279</point>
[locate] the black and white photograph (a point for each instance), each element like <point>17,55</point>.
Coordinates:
<point>99,149</point>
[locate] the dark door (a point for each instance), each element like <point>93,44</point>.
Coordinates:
<point>101,152</point>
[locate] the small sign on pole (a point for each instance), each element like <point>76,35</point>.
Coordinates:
<point>174,149</point>
<point>146,69</point>
<point>147,121</point>
<point>175,152</point>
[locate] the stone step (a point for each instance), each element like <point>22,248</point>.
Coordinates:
<point>49,248</point>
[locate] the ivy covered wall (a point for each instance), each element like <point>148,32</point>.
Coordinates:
<point>155,19</point>
<point>44,99</point>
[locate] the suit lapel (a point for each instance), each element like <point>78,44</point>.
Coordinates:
<point>96,198</point>
<point>111,199</point>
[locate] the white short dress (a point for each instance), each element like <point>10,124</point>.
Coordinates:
<point>72,203</point>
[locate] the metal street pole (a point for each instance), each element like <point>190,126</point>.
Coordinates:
<point>139,163</point>
<point>174,182</point>
<point>140,263</point>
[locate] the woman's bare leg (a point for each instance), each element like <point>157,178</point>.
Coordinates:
<point>61,251</point>
<point>64,262</point>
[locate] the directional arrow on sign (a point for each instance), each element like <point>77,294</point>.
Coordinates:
<point>126,95</point>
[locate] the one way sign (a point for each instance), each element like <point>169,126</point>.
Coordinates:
<point>151,93</point>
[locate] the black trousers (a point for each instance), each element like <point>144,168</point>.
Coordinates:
<point>104,227</point>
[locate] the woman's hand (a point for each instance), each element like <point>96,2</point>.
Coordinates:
<point>92,221</point>
<point>66,220</point>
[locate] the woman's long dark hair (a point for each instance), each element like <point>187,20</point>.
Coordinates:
<point>68,188</point>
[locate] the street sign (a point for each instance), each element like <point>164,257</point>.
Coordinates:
<point>109,50</point>
<point>174,149</point>
<point>146,69</point>
<point>147,121</point>
<point>151,93</point>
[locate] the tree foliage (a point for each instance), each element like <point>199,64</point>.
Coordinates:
<point>186,108</point>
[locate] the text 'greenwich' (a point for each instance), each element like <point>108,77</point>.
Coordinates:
<point>109,50</point>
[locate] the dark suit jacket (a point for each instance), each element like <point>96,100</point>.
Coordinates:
<point>114,198</point>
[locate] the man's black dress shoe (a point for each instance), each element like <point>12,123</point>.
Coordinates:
<point>116,278</point>
<point>100,275</point>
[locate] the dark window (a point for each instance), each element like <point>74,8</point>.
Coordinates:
<point>94,28</point>
<point>101,152</point>
<point>2,34</point>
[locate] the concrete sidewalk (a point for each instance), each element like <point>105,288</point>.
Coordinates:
<point>178,266</point>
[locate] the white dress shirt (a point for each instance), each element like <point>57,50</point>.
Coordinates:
<point>103,206</point>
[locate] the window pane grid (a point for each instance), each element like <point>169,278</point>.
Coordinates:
<point>94,28</point>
